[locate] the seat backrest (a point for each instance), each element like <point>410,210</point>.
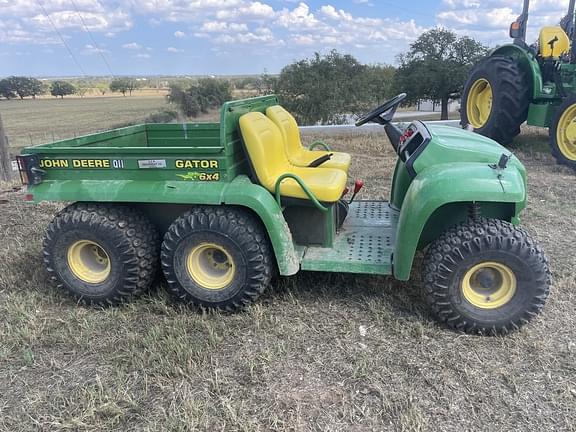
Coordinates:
<point>265,147</point>
<point>561,46</point>
<point>288,126</point>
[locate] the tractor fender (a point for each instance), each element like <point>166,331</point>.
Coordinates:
<point>443,184</point>
<point>239,192</point>
<point>528,62</point>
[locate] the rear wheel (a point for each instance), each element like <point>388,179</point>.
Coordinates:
<point>486,277</point>
<point>563,133</point>
<point>101,254</point>
<point>217,257</point>
<point>495,99</point>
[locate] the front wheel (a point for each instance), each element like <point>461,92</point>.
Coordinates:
<point>495,99</point>
<point>563,133</point>
<point>486,277</point>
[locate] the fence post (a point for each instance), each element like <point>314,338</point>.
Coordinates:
<point>5,162</point>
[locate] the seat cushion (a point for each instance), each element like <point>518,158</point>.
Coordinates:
<point>338,160</point>
<point>326,184</point>
<point>265,149</point>
<point>297,154</point>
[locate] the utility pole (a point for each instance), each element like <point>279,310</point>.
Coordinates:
<point>5,162</point>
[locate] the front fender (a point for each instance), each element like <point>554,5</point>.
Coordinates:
<point>240,192</point>
<point>528,63</point>
<point>443,184</point>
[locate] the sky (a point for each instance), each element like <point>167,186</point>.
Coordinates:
<point>232,37</point>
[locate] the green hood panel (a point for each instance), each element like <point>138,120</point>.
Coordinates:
<point>454,145</point>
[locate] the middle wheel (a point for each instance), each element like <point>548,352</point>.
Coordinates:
<point>217,257</point>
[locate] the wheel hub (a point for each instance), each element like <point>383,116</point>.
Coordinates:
<point>479,103</point>
<point>210,266</point>
<point>566,133</point>
<point>88,261</point>
<point>489,285</point>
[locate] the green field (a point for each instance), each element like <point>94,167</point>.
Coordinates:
<point>318,352</point>
<point>31,122</point>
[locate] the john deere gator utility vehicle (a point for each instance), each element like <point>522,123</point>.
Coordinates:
<point>223,207</point>
<point>519,82</point>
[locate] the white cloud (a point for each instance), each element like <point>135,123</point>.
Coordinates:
<point>489,20</point>
<point>132,46</point>
<point>299,17</point>
<point>179,34</point>
<point>91,49</point>
<point>174,50</point>
<point>142,56</point>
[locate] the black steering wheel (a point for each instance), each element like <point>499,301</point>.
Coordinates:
<point>388,109</point>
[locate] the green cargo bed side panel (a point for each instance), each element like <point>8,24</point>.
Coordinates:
<point>444,184</point>
<point>241,192</point>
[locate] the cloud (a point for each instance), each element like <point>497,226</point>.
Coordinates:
<point>489,20</point>
<point>179,34</point>
<point>142,56</point>
<point>91,49</point>
<point>132,46</point>
<point>35,25</point>
<point>174,50</point>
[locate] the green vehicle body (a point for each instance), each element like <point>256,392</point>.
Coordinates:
<point>167,168</point>
<point>545,96</point>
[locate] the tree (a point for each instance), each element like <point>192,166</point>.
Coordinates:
<point>437,65</point>
<point>21,86</point>
<point>124,85</point>
<point>102,88</point>
<point>24,86</point>
<point>62,88</point>
<point>6,89</point>
<point>206,94</point>
<point>265,84</point>
<point>327,89</point>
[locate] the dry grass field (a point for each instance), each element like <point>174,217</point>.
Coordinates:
<point>319,352</point>
<point>43,120</point>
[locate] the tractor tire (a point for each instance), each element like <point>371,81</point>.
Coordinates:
<point>217,258</point>
<point>102,254</point>
<point>563,133</point>
<point>496,98</point>
<point>486,277</point>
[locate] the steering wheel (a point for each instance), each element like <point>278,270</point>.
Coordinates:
<point>388,109</point>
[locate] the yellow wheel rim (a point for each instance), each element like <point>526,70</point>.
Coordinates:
<point>211,266</point>
<point>489,285</point>
<point>566,133</point>
<point>479,103</point>
<point>89,261</point>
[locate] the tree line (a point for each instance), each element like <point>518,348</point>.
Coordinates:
<point>327,89</point>
<point>20,87</point>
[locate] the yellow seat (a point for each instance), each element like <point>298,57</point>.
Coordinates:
<point>265,148</point>
<point>561,46</point>
<point>297,154</point>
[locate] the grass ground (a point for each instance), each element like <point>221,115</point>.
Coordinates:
<point>319,352</point>
<point>32,122</point>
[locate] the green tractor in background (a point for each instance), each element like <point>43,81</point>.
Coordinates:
<point>518,83</point>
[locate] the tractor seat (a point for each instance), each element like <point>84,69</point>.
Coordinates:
<point>553,42</point>
<point>265,147</point>
<point>296,153</point>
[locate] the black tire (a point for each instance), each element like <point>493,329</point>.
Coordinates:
<point>129,249</point>
<point>561,152</point>
<point>243,246</point>
<point>461,249</point>
<point>510,102</point>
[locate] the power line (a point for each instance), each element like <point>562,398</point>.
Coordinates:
<point>61,38</point>
<point>87,30</point>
